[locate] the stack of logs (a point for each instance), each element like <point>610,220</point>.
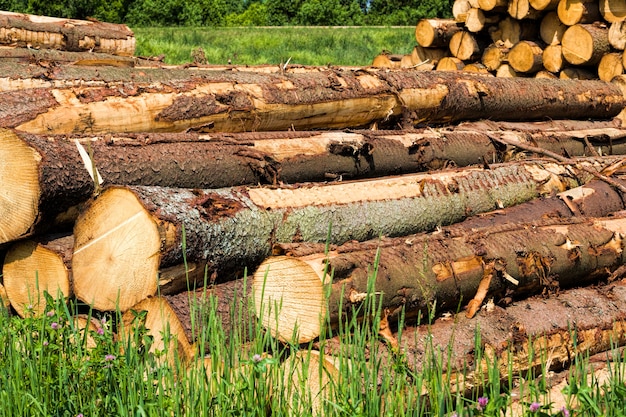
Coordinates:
<point>582,39</point>
<point>129,185</point>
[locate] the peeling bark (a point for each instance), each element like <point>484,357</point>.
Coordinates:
<point>96,100</point>
<point>436,271</point>
<point>127,234</point>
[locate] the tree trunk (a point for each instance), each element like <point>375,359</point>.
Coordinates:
<point>617,35</point>
<point>612,10</point>
<point>435,33</point>
<point>450,63</point>
<point>510,31</point>
<point>226,101</point>
<point>494,56</point>
<point>465,46</point>
<point>49,57</point>
<point>167,333</point>
<point>544,4</point>
<point>573,12</point>
<point>610,66</point>
<point>493,5</point>
<point>551,29</point>
<point>127,234</point>
<point>520,9</point>
<point>553,58</point>
<point>434,272</point>
<point>32,267</point>
<point>585,44</point>
<point>460,9</point>
<point>526,57</point>
<point>32,31</point>
<point>540,332</point>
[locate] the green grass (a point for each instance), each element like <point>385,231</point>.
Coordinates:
<point>350,46</point>
<point>48,370</point>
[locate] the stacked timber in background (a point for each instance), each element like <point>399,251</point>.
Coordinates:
<point>582,39</point>
<point>133,185</point>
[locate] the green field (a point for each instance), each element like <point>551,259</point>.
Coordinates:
<point>273,45</point>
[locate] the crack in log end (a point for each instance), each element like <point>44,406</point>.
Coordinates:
<point>191,107</point>
<point>212,206</point>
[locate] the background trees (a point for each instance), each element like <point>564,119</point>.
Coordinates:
<point>238,12</point>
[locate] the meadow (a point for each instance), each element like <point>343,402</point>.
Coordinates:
<point>345,46</point>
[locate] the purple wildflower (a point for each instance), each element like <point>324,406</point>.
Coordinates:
<point>45,343</point>
<point>534,407</point>
<point>256,358</point>
<point>100,331</point>
<point>50,313</point>
<point>109,357</point>
<point>55,325</point>
<point>482,402</point>
<point>80,415</point>
<point>565,411</point>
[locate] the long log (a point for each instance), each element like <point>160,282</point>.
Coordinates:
<point>45,176</point>
<point>127,234</point>
<point>101,100</point>
<point>430,273</point>
<point>67,34</point>
<point>547,333</point>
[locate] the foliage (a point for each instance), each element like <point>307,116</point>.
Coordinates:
<point>214,13</point>
<point>272,45</point>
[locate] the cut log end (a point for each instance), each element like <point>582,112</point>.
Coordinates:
<point>28,271</point>
<point>289,298</point>
<point>116,252</point>
<point>19,202</point>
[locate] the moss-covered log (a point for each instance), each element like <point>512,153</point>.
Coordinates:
<point>127,234</point>
<point>435,272</point>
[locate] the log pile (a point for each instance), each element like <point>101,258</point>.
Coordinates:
<point>128,185</point>
<point>582,39</point>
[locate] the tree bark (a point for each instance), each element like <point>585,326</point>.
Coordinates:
<point>127,234</point>
<point>433,272</point>
<point>585,44</point>
<point>32,267</point>
<point>66,34</point>
<point>435,33</point>
<point>51,57</point>
<point>227,101</point>
<point>535,333</point>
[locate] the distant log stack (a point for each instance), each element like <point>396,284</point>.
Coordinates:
<point>579,39</point>
<point>65,34</point>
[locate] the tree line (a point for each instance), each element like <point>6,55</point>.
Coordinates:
<point>143,13</point>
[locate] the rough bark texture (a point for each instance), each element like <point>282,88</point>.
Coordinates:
<point>532,334</point>
<point>417,274</point>
<point>128,233</point>
<point>53,101</point>
<point>66,34</point>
